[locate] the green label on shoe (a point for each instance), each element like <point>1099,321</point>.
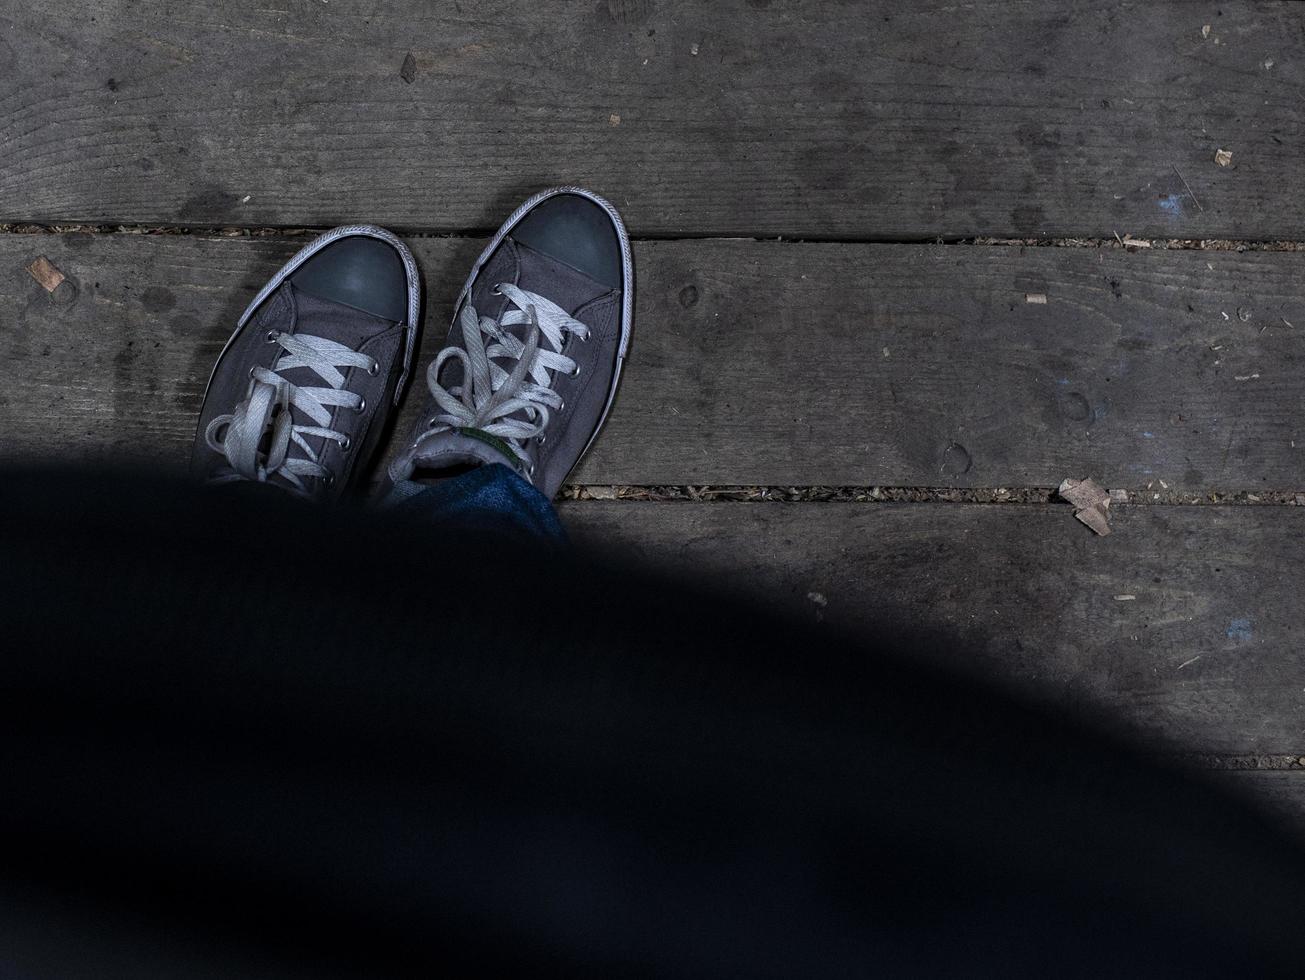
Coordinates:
<point>492,441</point>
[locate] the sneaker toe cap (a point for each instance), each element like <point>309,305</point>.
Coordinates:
<point>576,231</point>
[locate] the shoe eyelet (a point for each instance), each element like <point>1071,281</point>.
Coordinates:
<point>328,481</point>
<point>345,444</point>
<point>575,373</point>
<point>252,370</point>
<point>271,336</point>
<point>375,369</point>
<point>432,423</point>
<point>530,470</point>
<point>541,438</point>
<point>496,291</point>
<point>362,406</point>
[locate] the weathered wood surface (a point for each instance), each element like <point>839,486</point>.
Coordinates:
<point>757,363</point>
<point>828,119</point>
<point>1208,655</point>
<point>1279,793</point>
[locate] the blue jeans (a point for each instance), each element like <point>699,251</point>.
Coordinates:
<point>490,498</point>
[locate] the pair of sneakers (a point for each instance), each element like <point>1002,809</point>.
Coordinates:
<point>301,393</point>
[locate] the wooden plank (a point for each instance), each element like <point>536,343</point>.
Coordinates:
<point>1208,655</point>
<point>757,363</point>
<point>807,118</point>
<point>1282,794</point>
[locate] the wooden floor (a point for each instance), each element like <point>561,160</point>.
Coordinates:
<point>924,259</point>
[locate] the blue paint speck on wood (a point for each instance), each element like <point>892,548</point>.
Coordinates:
<point>1240,630</point>
<point>1172,203</point>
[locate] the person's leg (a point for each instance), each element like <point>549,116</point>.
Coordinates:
<point>490,498</point>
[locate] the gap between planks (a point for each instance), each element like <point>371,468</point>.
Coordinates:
<point>1124,243</point>
<point>945,495</point>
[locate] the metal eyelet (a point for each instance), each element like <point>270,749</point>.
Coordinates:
<point>328,481</point>
<point>496,291</point>
<point>541,438</point>
<point>362,406</point>
<point>252,370</point>
<point>530,470</point>
<point>432,423</point>
<point>271,336</point>
<point>375,369</point>
<point>575,373</point>
<point>345,444</point>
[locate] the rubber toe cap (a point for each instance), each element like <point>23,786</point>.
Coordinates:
<point>577,232</point>
<point>364,273</point>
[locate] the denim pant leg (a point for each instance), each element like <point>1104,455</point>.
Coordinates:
<point>491,498</point>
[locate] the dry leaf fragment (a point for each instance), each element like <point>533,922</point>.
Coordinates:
<point>1223,157</point>
<point>1092,501</point>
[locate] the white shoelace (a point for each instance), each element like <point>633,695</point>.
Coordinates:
<point>490,395</point>
<point>266,410</point>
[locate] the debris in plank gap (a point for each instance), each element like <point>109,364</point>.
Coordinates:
<point>45,272</point>
<point>408,71</point>
<point>1119,496</point>
<point>600,493</point>
<point>1092,501</point>
<point>1036,299</point>
<point>1245,377</point>
<point>1223,157</point>
<point>1125,598</point>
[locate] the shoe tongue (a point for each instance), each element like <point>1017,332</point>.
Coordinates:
<point>461,447</point>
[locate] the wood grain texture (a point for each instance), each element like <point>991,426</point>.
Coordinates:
<point>807,118</point>
<point>757,363</point>
<point>1282,794</point>
<point>1207,656</point>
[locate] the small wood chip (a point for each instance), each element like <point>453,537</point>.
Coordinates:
<point>408,70</point>
<point>1125,598</point>
<point>45,272</point>
<point>600,493</point>
<point>1223,157</point>
<point>1037,299</point>
<point>614,119</point>
<point>1205,30</point>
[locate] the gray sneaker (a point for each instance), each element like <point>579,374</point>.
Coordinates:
<point>300,394</point>
<point>533,357</point>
